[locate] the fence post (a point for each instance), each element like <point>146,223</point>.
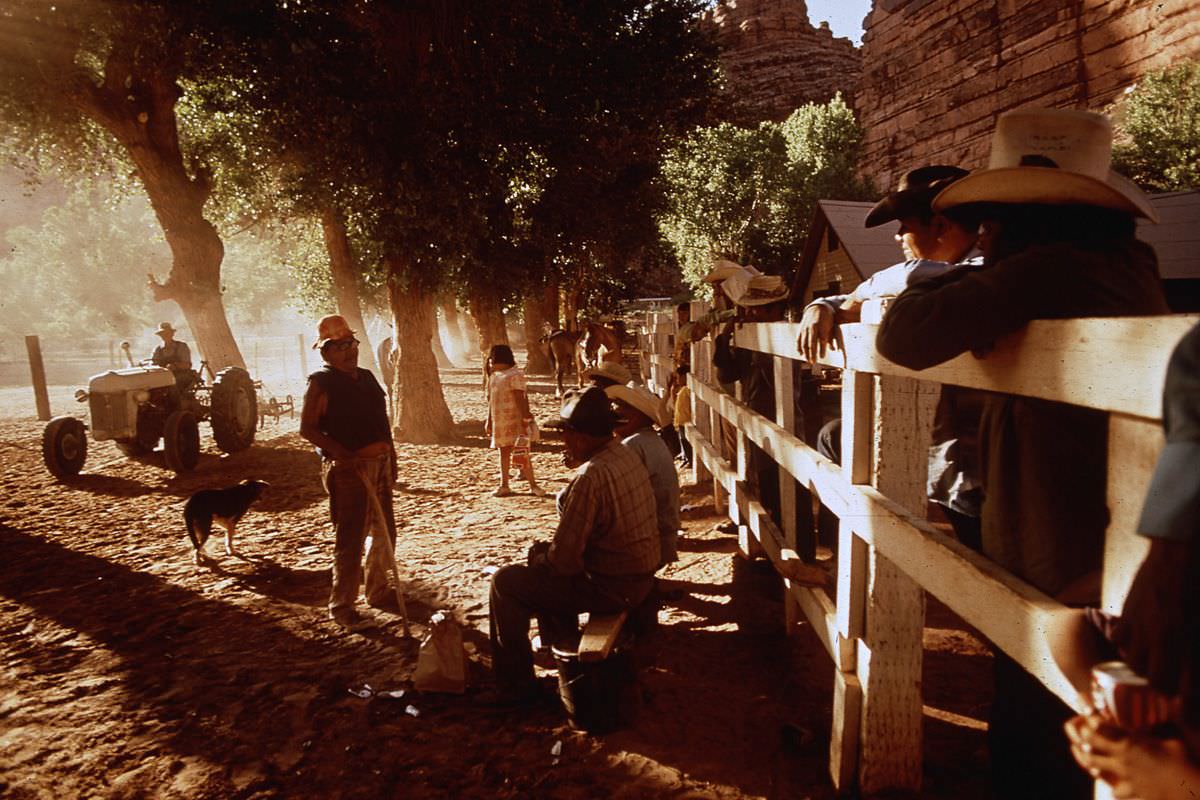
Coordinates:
<point>785,417</point>
<point>857,433</point>
<point>889,665</point>
<point>38,370</point>
<point>303,355</point>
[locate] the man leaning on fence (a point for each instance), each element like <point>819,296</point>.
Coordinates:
<point>601,560</point>
<point>933,243</point>
<point>345,416</point>
<point>1058,241</point>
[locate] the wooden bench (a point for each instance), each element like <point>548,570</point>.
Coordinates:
<point>599,635</point>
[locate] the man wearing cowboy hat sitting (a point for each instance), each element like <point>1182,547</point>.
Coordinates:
<point>174,355</point>
<point>602,558</point>
<point>638,411</point>
<point>1058,242</point>
<point>345,416</point>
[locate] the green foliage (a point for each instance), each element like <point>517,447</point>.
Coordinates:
<point>1158,130</point>
<point>749,194</point>
<point>80,272</point>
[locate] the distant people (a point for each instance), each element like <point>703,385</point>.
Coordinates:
<point>509,417</point>
<point>1058,242</point>
<point>638,411</point>
<point>602,558</point>
<point>682,351</point>
<point>1158,632</point>
<point>174,355</point>
<point>679,408</point>
<point>933,243</point>
<point>345,417</point>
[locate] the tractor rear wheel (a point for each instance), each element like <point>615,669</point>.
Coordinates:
<point>64,446</point>
<point>181,441</point>
<point>234,409</point>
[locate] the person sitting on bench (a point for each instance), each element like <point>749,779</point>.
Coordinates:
<point>602,558</point>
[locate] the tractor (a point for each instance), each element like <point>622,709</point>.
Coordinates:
<point>142,404</point>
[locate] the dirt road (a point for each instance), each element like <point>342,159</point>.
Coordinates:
<point>129,672</point>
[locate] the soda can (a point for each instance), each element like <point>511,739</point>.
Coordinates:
<point>1126,699</point>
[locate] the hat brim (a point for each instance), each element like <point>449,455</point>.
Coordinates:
<point>1173,500</point>
<point>161,332</point>
<point>644,402</point>
<point>319,343</point>
<point>719,274</point>
<point>1048,186</point>
<point>895,206</point>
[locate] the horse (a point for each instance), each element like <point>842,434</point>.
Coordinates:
<point>562,356</point>
<point>599,344</point>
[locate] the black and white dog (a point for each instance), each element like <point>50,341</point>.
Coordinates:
<point>225,507</point>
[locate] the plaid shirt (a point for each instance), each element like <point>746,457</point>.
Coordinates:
<point>608,524</point>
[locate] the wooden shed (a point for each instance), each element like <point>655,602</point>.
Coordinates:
<point>1176,239</point>
<point>840,253</point>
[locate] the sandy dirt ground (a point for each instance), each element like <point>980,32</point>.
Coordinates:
<point>129,672</point>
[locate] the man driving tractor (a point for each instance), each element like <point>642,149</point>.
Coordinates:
<point>173,355</point>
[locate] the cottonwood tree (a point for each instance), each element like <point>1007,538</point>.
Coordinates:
<point>96,86</point>
<point>749,194</point>
<point>1158,130</point>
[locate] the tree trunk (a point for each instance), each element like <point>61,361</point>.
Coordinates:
<point>424,416</point>
<point>489,321</point>
<point>138,109</point>
<point>550,305</point>
<point>458,345</point>
<point>344,268</point>
<point>537,356</point>
<point>439,349</point>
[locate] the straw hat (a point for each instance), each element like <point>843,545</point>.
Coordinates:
<point>640,399</point>
<point>1052,157</point>
<point>916,191</point>
<point>723,269</point>
<point>164,327</point>
<point>588,412</point>
<point>332,328</point>
<point>752,288</point>
<point>617,373</point>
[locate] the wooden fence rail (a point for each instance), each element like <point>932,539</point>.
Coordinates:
<point>888,554</point>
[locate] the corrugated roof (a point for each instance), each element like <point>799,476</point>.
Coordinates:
<point>1176,238</point>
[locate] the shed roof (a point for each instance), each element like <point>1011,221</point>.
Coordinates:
<point>1176,238</point>
<point>871,249</point>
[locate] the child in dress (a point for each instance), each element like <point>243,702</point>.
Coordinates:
<point>509,416</point>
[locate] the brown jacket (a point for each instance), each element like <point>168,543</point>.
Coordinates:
<point>1044,464</point>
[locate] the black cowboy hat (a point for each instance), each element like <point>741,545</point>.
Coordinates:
<point>588,412</point>
<point>914,196</point>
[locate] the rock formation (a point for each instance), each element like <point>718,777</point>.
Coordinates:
<point>775,60</point>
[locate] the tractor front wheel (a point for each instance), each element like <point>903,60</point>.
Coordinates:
<point>181,441</point>
<point>64,446</point>
<point>234,409</point>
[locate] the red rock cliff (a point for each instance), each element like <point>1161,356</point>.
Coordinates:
<point>937,73</point>
<point>775,60</point>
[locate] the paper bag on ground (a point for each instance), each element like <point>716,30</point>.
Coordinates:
<point>442,661</point>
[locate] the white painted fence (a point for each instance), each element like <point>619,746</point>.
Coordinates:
<point>888,554</point>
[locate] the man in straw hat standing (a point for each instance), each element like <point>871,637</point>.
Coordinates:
<point>345,416</point>
<point>1058,242</point>
<point>602,558</point>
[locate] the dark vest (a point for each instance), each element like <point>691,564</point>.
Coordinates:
<point>356,412</point>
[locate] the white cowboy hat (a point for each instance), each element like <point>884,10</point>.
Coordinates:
<point>723,269</point>
<point>1052,157</point>
<point>746,288</point>
<point>609,369</point>
<point>639,398</point>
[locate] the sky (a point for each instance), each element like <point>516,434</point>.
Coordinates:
<point>845,16</point>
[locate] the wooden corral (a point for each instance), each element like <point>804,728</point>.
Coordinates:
<point>889,555</point>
